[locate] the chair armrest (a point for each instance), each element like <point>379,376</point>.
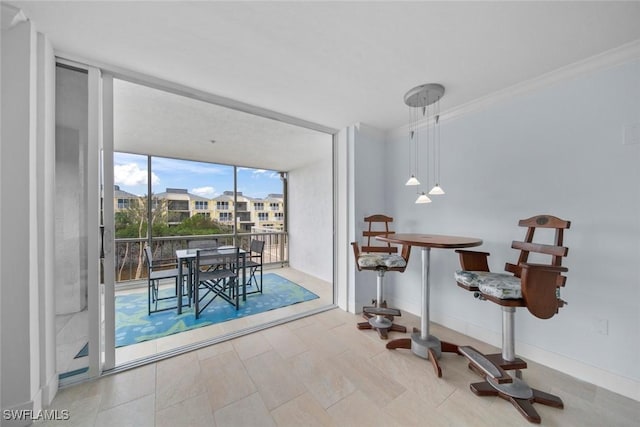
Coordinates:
<point>356,253</point>
<point>473,260</point>
<point>164,262</point>
<point>405,253</point>
<point>540,285</point>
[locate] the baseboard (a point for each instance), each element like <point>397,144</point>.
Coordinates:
<point>625,386</point>
<point>49,390</point>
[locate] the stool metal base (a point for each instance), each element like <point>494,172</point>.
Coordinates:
<point>420,346</point>
<point>380,322</point>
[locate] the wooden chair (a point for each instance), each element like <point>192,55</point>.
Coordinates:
<point>381,258</point>
<point>531,285</point>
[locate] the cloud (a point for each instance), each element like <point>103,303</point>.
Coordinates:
<point>204,191</point>
<point>259,171</point>
<point>130,174</point>
<point>163,164</point>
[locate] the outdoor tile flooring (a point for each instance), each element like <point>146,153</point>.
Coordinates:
<point>320,370</point>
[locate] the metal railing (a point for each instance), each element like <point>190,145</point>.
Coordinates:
<point>131,265</point>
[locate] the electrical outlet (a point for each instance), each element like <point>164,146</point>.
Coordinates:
<point>601,326</point>
<point>631,134</point>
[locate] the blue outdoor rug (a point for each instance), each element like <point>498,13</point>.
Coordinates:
<point>134,325</point>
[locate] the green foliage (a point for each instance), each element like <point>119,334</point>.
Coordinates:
<point>199,225</point>
<point>132,223</point>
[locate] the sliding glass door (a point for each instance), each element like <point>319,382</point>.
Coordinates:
<point>77,271</point>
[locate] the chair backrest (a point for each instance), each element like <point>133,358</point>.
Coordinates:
<point>556,250</point>
<point>214,257</point>
<point>378,225</point>
<point>541,281</point>
<point>202,243</point>
<point>148,256</point>
<point>257,246</point>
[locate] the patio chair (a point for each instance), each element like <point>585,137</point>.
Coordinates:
<point>157,271</point>
<point>216,275</point>
<point>254,264</point>
<point>202,244</point>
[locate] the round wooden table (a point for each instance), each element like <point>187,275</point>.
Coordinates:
<point>421,343</point>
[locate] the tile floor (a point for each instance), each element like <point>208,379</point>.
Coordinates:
<point>72,330</point>
<point>320,370</point>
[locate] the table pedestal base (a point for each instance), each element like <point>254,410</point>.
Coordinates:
<point>421,347</point>
<point>430,348</point>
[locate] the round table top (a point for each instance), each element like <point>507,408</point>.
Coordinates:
<point>432,240</point>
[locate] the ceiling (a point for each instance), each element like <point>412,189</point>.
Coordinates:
<point>152,121</point>
<point>337,63</point>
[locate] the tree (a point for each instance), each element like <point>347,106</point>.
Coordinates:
<point>199,224</point>
<point>132,223</point>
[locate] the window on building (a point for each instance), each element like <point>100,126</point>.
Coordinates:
<point>123,203</point>
<point>259,206</point>
<point>222,206</point>
<point>225,216</point>
<point>178,205</point>
<point>202,205</point>
<point>263,216</point>
<point>274,206</point>
<point>279,216</point>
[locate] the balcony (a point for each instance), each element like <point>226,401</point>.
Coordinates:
<point>131,278</point>
<point>130,258</point>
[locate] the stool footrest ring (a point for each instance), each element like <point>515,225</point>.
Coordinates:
<point>381,311</point>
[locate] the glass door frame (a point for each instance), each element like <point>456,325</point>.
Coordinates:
<point>108,224</point>
<point>93,183</point>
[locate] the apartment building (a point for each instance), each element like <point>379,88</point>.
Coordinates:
<point>252,214</point>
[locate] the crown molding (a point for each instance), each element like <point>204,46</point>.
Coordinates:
<point>611,58</point>
<point>10,16</point>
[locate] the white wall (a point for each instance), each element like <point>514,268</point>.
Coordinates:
<point>310,216</point>
<point>28,358</point>
<point>558,150</point>
<point>369,165</point>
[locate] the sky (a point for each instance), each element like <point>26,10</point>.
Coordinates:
<point>203,179</point>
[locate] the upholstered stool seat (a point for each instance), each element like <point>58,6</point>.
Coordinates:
<point>498,285</point>
<point>381,261</point>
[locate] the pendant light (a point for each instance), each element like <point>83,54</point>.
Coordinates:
<point>436,190</point>
<point>418,99</point>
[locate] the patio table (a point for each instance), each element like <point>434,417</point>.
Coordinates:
<point>188,256</point>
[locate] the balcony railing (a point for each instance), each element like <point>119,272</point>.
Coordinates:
<point>130,264</point>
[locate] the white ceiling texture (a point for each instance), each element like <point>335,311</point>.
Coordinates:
<point>331,63</point>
